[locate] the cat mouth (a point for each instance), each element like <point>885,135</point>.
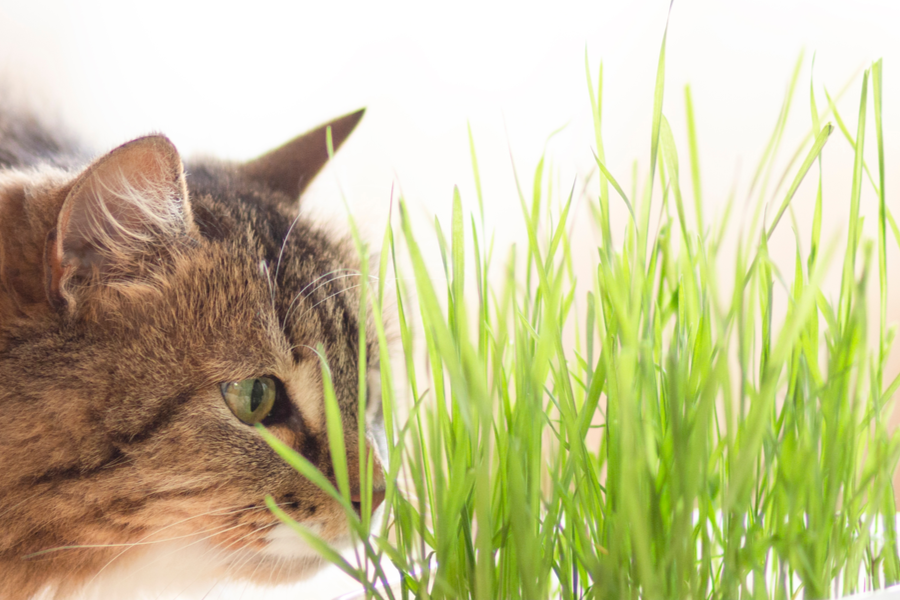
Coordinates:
<point>280,556</point>
<point>282,542</point>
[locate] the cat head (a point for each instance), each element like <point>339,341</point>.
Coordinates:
<point>150,315</point>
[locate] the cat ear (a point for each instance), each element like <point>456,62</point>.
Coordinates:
<point>291,167</point>
<point>121,207</point>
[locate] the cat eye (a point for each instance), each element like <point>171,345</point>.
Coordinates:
<point>250,400</point>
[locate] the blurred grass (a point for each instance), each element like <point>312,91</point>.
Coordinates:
<point>692,443</point>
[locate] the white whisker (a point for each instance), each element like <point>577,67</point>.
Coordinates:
<point>264,271</point>
<point>219,554</point>
<point>168,554</point>
<point>320,277</point>
<point>326,298</point>
<point>308,285</point>
<point>211,513</point>
<point>284,243</point>
<point>333,279</point>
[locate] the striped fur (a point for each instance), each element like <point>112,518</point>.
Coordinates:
<point>130,289</point>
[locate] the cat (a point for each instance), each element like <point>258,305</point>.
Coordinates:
<point>152,311</point>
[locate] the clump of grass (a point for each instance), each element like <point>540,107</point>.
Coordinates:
<point>734,453</point>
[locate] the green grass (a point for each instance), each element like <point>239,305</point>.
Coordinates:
<point>694,441</point>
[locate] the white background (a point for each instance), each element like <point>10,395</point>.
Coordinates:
<point>235,79</point>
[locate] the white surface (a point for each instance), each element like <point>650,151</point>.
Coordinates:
<point>235,79</point>
<point>891,593</point>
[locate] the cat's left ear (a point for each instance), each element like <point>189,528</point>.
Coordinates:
<point>291,167</point>
<point>120,215</point>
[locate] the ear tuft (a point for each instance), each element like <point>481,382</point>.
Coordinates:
<point>291,167</point>
<point>124,204</point>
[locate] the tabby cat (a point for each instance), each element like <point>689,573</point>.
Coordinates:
<point>151,312</point>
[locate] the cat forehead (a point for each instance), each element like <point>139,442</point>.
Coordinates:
<point>288,297</point>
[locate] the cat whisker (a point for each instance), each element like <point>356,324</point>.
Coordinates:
<point>219,554</point>
<point>117,462</point>
<point>308,285</point>
<point>320,277</point>
<point>168,554</point>
<point>284,243</point>
<point>279,566</point>
<point>333,279</point>
<point>249,555</point>
<point>265,271</point>
<point>326,298</point>
<point>116,545</point>
<point>210,513</point>
<point>222,552</point>
<point>314,350</point>
<point>257,529</point>
<point>212,560</point>
<point>206,595</point>
<point>142,541</point>
<point>324,283</point>
<point>215,582</point>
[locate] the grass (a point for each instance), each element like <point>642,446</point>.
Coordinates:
<point>694,441</point>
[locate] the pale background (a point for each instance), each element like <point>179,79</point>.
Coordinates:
<point>235,79</point>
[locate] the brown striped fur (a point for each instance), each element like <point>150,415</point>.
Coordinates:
<point>130,289</point>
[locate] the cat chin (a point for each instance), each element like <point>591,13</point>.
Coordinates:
<point>171,571</point>
<point>282,543</point>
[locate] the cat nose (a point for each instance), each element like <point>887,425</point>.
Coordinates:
<point>377,499</point>
<point>377,484</point>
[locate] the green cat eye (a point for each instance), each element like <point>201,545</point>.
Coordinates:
<point>250,400</point>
